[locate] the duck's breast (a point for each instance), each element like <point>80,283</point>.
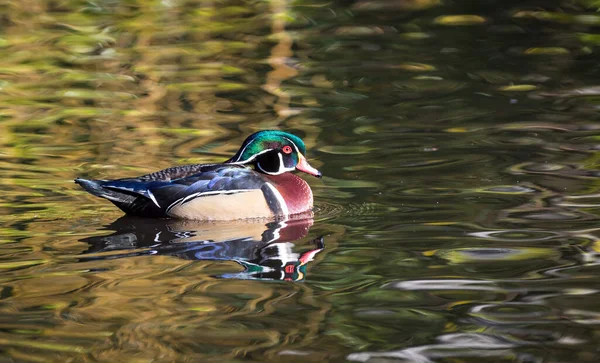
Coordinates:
<point>296,195</point>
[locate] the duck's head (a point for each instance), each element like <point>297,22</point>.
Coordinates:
<point>274,152</point>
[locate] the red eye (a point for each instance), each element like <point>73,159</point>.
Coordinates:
<point>287,149</point>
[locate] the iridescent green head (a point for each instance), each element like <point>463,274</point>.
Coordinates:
<point>274,152</point>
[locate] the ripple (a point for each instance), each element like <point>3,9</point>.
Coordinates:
<point>580,201</point>
<point>460,20</point>
<point>517,235</point>
<point>498,189</point>
<point>548,215</point>
<point>450,345</point>
<point>566,171</point>
<point>444,284</point>
<point>481,254</point>
<point>434,191</point>
<point>507,313</point>
<point>427,163</point>
<point>508,189</point>
<point>345,150</point>
<point>48,285</point>
<point>538,167</point>
<point>522,313</point>
<point>582,316</point>
<point>326,210</point>
<point>590,91</point>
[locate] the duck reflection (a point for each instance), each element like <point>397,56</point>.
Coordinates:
<point>266,251</point>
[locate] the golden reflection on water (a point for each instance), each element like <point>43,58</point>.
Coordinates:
<point>109,304</point>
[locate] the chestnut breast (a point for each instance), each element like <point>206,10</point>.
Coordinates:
<point>295,192</point>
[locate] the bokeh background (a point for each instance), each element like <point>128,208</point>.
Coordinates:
<point>458,213</point>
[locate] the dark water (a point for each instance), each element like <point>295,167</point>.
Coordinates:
<point>457,220</point>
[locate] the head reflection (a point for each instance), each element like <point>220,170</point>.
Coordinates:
<point>266,251</point>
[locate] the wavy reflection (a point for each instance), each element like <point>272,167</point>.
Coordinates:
<point>458,345</point>
<point>265,251</point>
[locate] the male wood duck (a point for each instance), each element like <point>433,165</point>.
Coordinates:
<point>227,191</point>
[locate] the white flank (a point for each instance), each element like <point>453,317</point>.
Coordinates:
<point>182,201</point>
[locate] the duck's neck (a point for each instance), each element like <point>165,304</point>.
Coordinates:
<point>295,192</point>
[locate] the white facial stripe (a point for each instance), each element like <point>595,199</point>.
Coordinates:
<point>261,169</point>
<point>252,158</point>
<point>281,165</point>
<point>280,200</point>
<point>244,149</point>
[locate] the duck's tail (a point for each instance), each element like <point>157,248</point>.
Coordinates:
<point>95,187</point>
<point>129,202</point>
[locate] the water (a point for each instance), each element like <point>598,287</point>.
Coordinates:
<point>457,219</point>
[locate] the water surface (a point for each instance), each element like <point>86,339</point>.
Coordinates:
<point>457,219</point>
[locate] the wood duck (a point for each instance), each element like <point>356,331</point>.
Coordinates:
<point>227,191</point>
